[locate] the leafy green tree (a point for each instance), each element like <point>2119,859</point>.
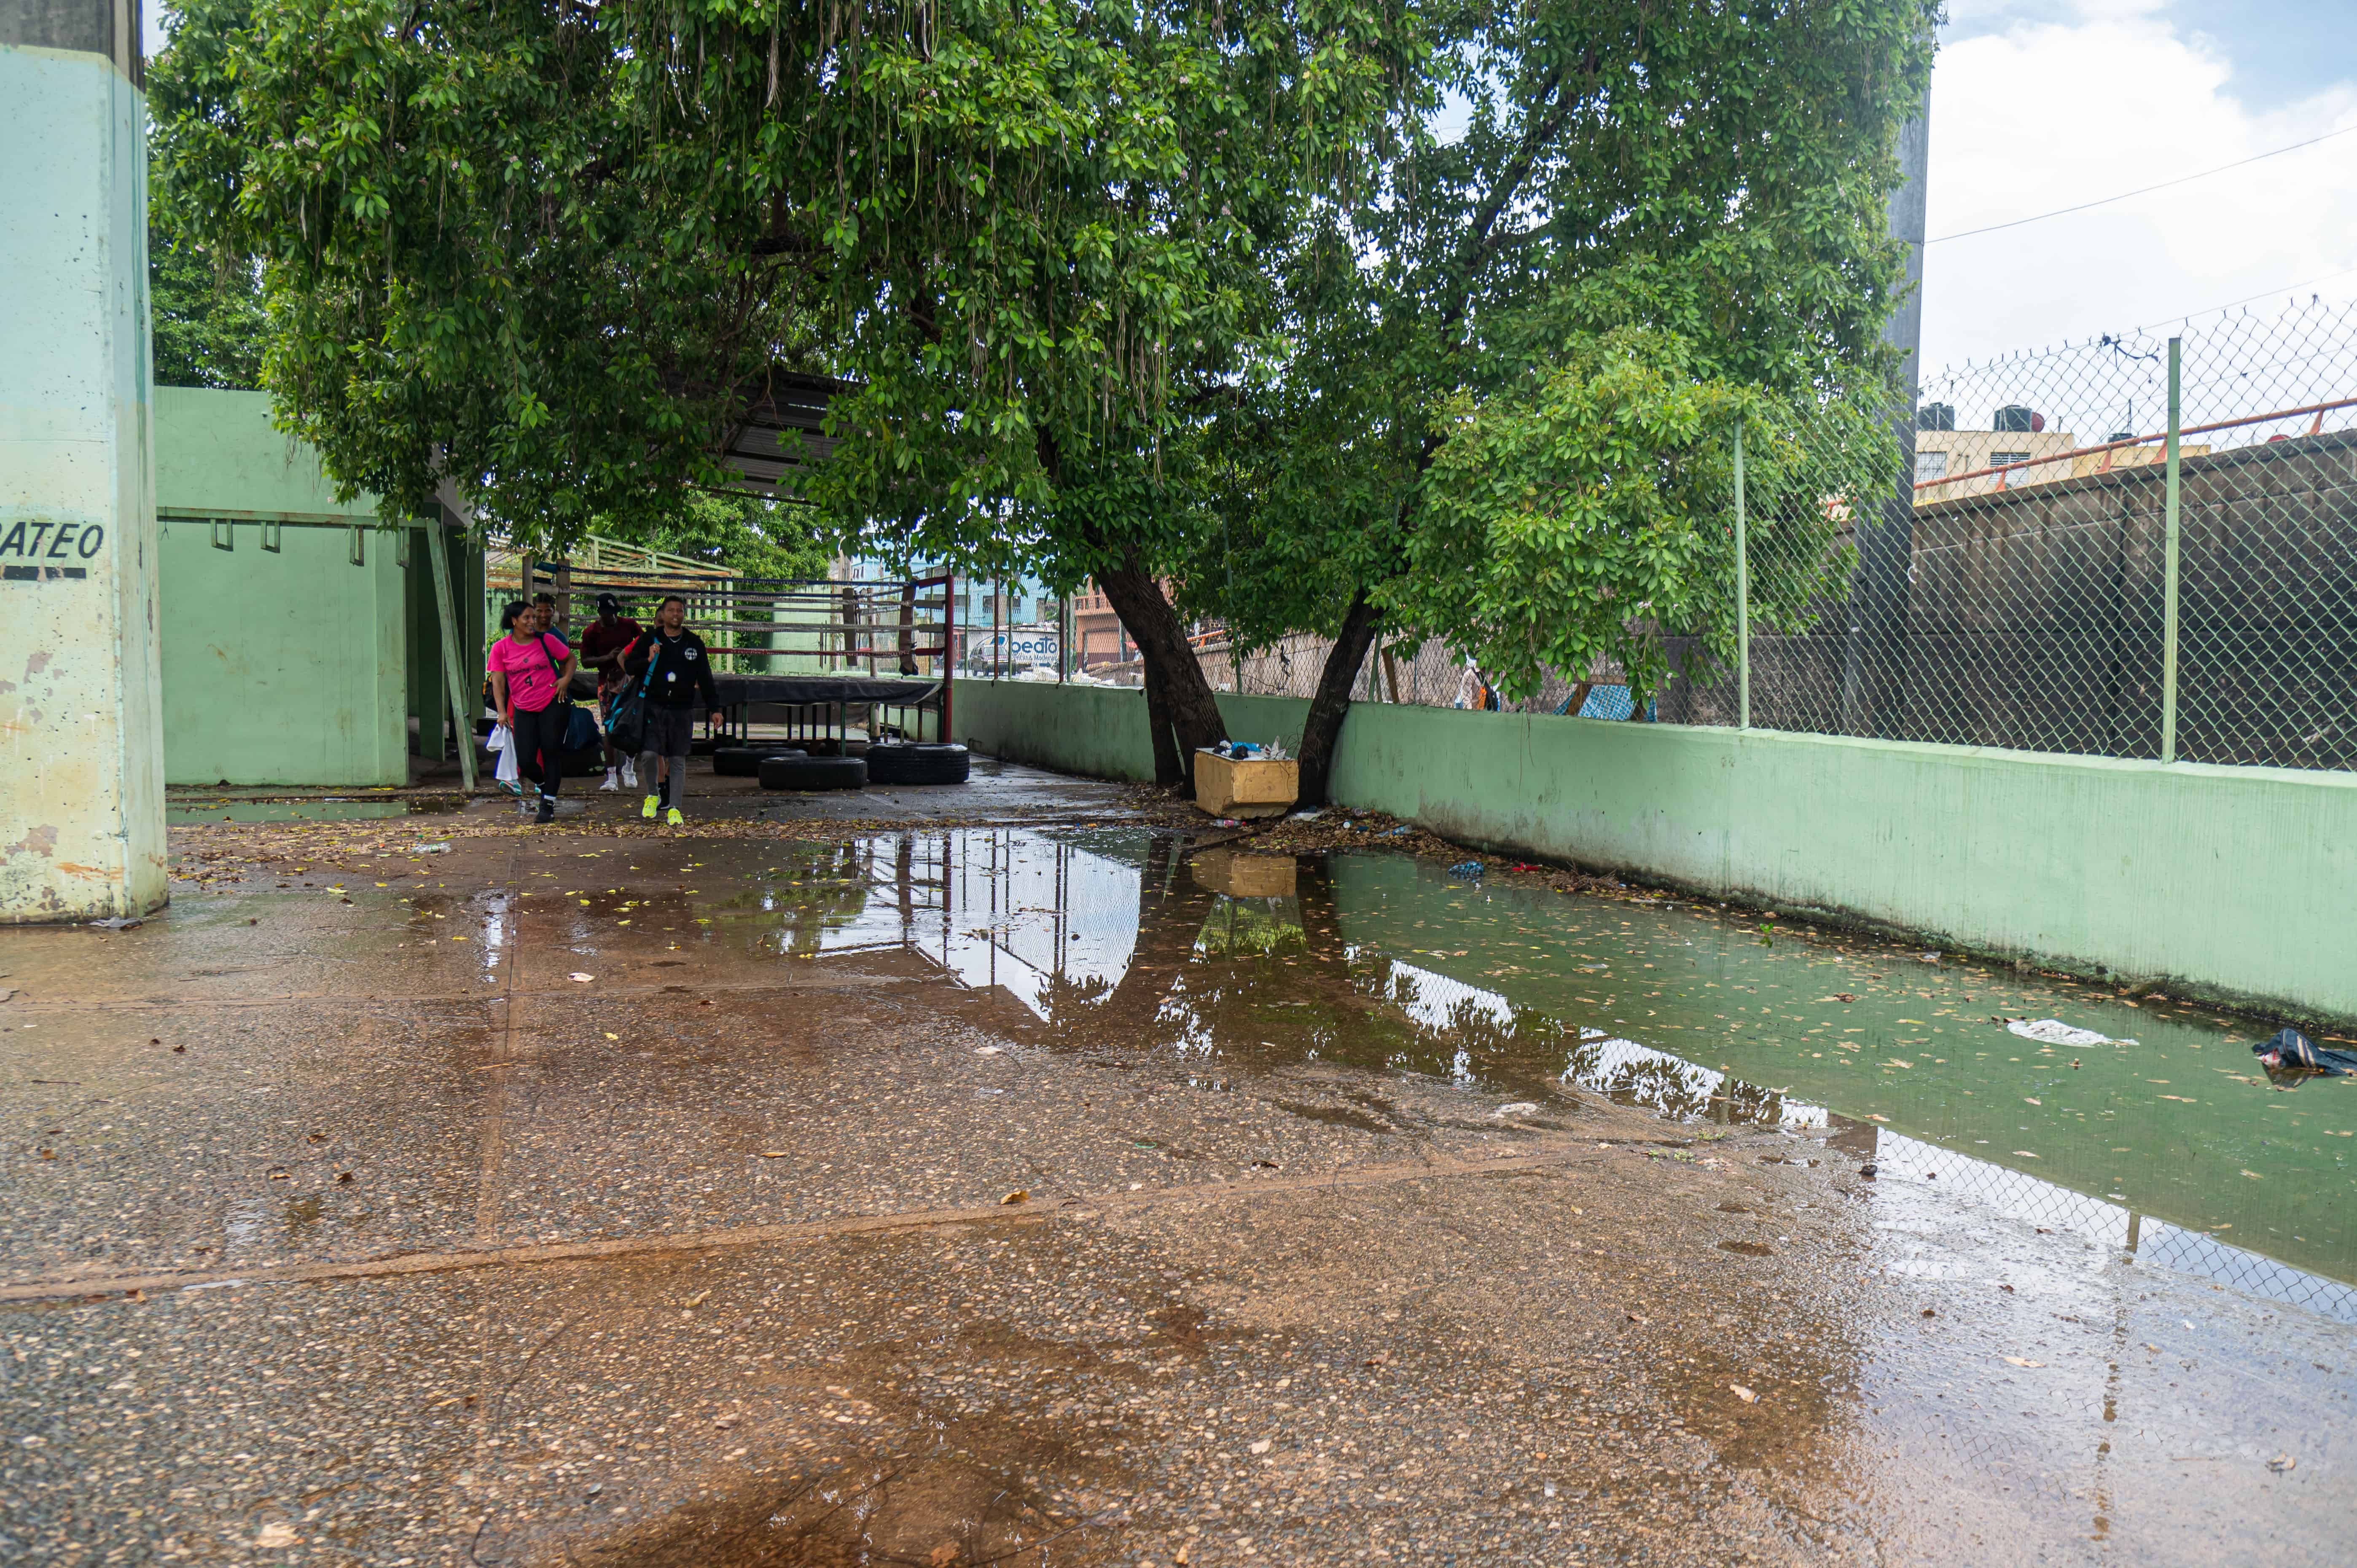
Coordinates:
<point>750,535</point>
<point>209,324</point>
<point>1653,205</point>
<point>546,252</point>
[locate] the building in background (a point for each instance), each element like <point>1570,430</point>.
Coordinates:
<point>2018,450</point>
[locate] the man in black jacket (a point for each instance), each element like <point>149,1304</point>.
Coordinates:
<point>682,671</point>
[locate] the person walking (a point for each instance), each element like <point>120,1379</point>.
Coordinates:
<point>530,670</point>
<point>603,643</point>
<point>681,672</point>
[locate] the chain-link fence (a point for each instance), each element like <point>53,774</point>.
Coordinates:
<point>2023,564</point>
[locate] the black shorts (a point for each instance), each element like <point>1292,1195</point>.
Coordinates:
<point>670,731</point>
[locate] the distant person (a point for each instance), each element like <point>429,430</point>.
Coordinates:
<point>603,643</point>
<point>683,673</point>
<point>528,668</point>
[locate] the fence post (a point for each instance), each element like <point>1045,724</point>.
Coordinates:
<point>1742,595</point>
<point>2168,581</point>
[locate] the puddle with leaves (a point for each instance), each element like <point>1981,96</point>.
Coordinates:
<point>2166,1139</point>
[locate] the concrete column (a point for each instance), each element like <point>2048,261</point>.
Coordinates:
<point>82,754</point>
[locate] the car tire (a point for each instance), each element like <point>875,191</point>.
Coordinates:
<point>800,772</point>
<point>745,761</point>
<point>919,763</point>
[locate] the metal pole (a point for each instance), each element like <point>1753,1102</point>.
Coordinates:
<point>2168,575</point>
<point>1742,596</point>
<point>437,554</point>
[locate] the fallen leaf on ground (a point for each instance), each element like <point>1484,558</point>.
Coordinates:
<point>2281,1463</point>
<point>1017,1195</point>
<point>1262,1446</point>
<point>774,1154</point>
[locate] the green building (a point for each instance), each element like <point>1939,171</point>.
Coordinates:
<point>300,639</point>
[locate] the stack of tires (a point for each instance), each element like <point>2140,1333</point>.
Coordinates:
<point>803,771</point>
<point>917,762</point>
<point>745,761</point>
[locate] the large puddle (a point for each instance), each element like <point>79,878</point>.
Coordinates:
<point>2167,1140</point>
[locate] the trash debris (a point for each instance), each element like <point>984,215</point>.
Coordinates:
<point>119,923</point>
<point>2286,1048</point>
<point>1928,958</point>
<point>1518,1108</point>
<point>429,849</point>
<point>2054,1031</point>
<point>1400,831</point>
<point>2024,1361</point>
<point>1466,868</point>
<point>1305,816</point>
<point>2281,1463</point>
<point>1746,1395</point>
<point>1018,1196</point>
<point>584,979</point>
<point>1264,1446</point>
<point>277,1533</point>
<point>988,1051</point>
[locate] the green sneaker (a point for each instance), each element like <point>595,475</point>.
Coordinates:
<point>672,817</point>
<point>654,803</point>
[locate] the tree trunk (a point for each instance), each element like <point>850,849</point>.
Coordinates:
<point>1331,705</point>
<point>1168,769</point>
<point>1188,707</point>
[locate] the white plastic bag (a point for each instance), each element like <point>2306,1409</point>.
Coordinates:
<point>502,741</point>
<point>2054,1031</point>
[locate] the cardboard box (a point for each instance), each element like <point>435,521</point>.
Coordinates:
<point>1240,873</point>
<point>1246,787</point>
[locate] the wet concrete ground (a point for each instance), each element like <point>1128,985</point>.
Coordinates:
<point>833,1222</point>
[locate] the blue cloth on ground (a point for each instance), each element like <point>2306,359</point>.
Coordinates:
<point>2297,1049</point>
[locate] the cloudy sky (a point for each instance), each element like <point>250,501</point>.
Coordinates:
<point>2037,106</point>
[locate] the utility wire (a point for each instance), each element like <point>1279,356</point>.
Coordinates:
<point>2123,196</point>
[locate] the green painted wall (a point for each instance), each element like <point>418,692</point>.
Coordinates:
<point>280,666</point>
<point>286,667</point>
<point>216,456</point>
<point>2234,883</point>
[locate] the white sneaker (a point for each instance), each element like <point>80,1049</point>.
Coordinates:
<point>629,775</point>
<point>609,783</point>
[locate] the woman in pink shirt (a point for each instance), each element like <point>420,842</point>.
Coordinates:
<point>530,670</point>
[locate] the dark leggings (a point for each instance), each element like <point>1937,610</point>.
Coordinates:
<point>540,748</point>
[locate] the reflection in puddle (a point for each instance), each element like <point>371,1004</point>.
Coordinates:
<point>1120,941</point>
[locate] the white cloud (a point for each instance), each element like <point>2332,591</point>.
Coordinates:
<point>2040,113</point>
